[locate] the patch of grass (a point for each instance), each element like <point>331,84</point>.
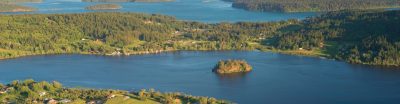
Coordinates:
<point>123,100</point>
<point>330,49</point>
<point>78,101</point>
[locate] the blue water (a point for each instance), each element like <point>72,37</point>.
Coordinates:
<point>276,78</point>
<point>210,11</point>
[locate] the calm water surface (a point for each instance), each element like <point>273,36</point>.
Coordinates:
<point>210,11</point>
<point>276,79</point>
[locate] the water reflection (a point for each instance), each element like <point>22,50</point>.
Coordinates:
<point>232,78</point>
<point>275,77</point>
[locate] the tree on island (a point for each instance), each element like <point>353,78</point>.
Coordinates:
<point>232,66</point>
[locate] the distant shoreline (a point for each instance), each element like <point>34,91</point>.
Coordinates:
<point>291,6</point>
<point>149,1</point>
<point>135,33</point>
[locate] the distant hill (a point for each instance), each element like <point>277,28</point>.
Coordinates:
<point>312,5</point>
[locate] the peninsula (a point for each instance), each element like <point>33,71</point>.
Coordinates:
<point>104,7</point>
<point>43,92</point>
<point>376,43</point>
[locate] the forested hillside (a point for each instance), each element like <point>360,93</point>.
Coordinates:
<point>312,5</point>
<point>122,33</point>
<point>368,37</point>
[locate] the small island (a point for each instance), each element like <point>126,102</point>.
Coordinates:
<point>232,66</point>
<point>104,7</point>
<point>5,7</point>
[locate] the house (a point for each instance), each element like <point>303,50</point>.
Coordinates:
<point>52,101</point>
<point>110,96</point>
<point>65,101</point>
<point>42,93</point>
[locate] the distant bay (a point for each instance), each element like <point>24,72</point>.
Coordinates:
<point>210,11</point>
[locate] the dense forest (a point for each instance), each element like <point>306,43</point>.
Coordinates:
<point>32,92</point>
<point>312,5</point>
<point>367,37</point>
<point>122,33</point>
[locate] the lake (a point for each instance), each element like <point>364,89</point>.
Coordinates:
<point>210,11</point>
<point>276,78</point>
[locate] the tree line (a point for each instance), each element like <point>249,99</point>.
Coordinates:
<point>312,5</point>
<point>366,37</point>
<point>127,33</point>
<point>32,92</point>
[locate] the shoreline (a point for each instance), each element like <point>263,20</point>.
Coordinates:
<point>52,92</point>
<point>292,53</point>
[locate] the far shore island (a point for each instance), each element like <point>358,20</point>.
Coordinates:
<point>128,1</point>
<point>21,1</point>
<point>12,5</point>
<point>104,7</point>
<point>15,8</point>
